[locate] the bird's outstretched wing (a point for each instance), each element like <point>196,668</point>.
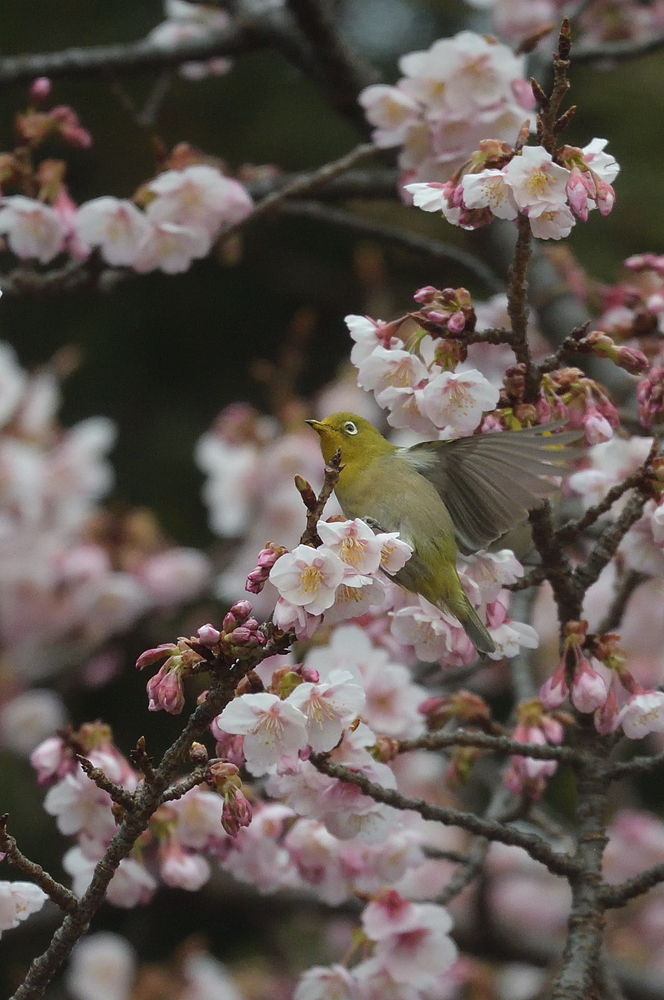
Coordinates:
<point>489,482</point>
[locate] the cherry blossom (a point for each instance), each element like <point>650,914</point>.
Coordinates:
<point>643,714</point>
<point>456,401</point>
<point>114,225</point>
<point>355,544</point>
<point>271,728</point>
<point>171,248</point>
<point>326,706</point>
<point>489,189</point>
<point>102,967</point>
<point>33,229</point>
<point>198,197</point>
<point>322,983</point>
<point>383,368</point>
<point>412,941</point>
<point>536,181</point>
<point>391,111</point>
<point>551,222</point>
<point>17,901</point>
<point>181,869</point>
<point>308,577</point>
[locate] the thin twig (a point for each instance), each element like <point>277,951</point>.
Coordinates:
<point>60,895</point>
<point>483,741</point>
<point>614,896</point>
<point>591,52</point>
<point>181,788</point>
<point>537,848</point>
<point>435,249</point>
<point>116,792</point>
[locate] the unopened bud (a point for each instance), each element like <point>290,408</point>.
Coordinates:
<point>40,89</point>
<point>198,754</point>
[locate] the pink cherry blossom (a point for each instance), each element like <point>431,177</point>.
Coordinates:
<point>457,400</point>
<point>394,552</point>
<point>426,628</point>
<point>385,368</point>
<point>181,869</point>
<point>114,225</point>
<point>369,334</point>
<point>271,728</point>
<point>308,577</point>
<point>588,688</point>
<point>417,948</point>
<point>33,229</point>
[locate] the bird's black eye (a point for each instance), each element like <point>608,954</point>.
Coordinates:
<point>350,427</point>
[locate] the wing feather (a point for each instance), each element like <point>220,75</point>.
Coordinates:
<point>489,482</point>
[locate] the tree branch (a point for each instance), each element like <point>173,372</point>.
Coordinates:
<point>614,896</point>
<point>591,52</point>
<point>499,744</point>
<point>435,249</point>
<point>60,895</point>
<point>537,848</point>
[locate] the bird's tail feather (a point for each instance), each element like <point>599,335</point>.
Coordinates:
<point>462,609</point>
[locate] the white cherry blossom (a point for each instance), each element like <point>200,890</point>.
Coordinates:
<point>551,222</point>
<point>395,553</point>
<point>426,628</point>
<point>536,180</point>
<point>391,111</point>
<point>271,728</point>
<point>489,189</point>
<point>102,967</point>
<point>601,163</point>
<point>199,197</point>
<point>17,901</point>
<point>643,714</point>
<point>327,706</point>
<point>116,226</point>
<point>33,229</point>
<point>326,983</point>
<point>171,248</point>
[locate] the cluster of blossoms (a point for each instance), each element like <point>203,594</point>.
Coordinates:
<point>420,369</point>
<point>171,220</point>
<point>498,182</point>
<point>452,96</point>
<point>186,22</point>
<point>603,685</point>
<point>104,966</point>
<point>69,577</point>
<point>599,21</point>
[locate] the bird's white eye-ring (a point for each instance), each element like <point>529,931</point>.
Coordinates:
<point>350,427</point>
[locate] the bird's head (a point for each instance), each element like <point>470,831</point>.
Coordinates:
<point>357,438</point>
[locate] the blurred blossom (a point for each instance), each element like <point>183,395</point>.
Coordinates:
<point>29,718</point>
<point>102,967</point>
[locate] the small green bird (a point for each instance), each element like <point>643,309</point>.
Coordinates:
<point>443,493</point>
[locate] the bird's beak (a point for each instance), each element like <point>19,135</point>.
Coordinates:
<point>316,424</point>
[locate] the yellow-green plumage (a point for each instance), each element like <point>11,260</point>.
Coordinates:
<point>488,481</point>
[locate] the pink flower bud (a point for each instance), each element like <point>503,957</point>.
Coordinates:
<point>208,635</point>
<point>456,323</point>
<point>256,581</point>
<point>151,656</point>
<point>554,690</point>
<point>425,295</point>
<point>229,622</point>
<point>588,688</point>
<point>310,675</point>
<point>241,610</point>
<point>165,691</point>
<point>40,89</point>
